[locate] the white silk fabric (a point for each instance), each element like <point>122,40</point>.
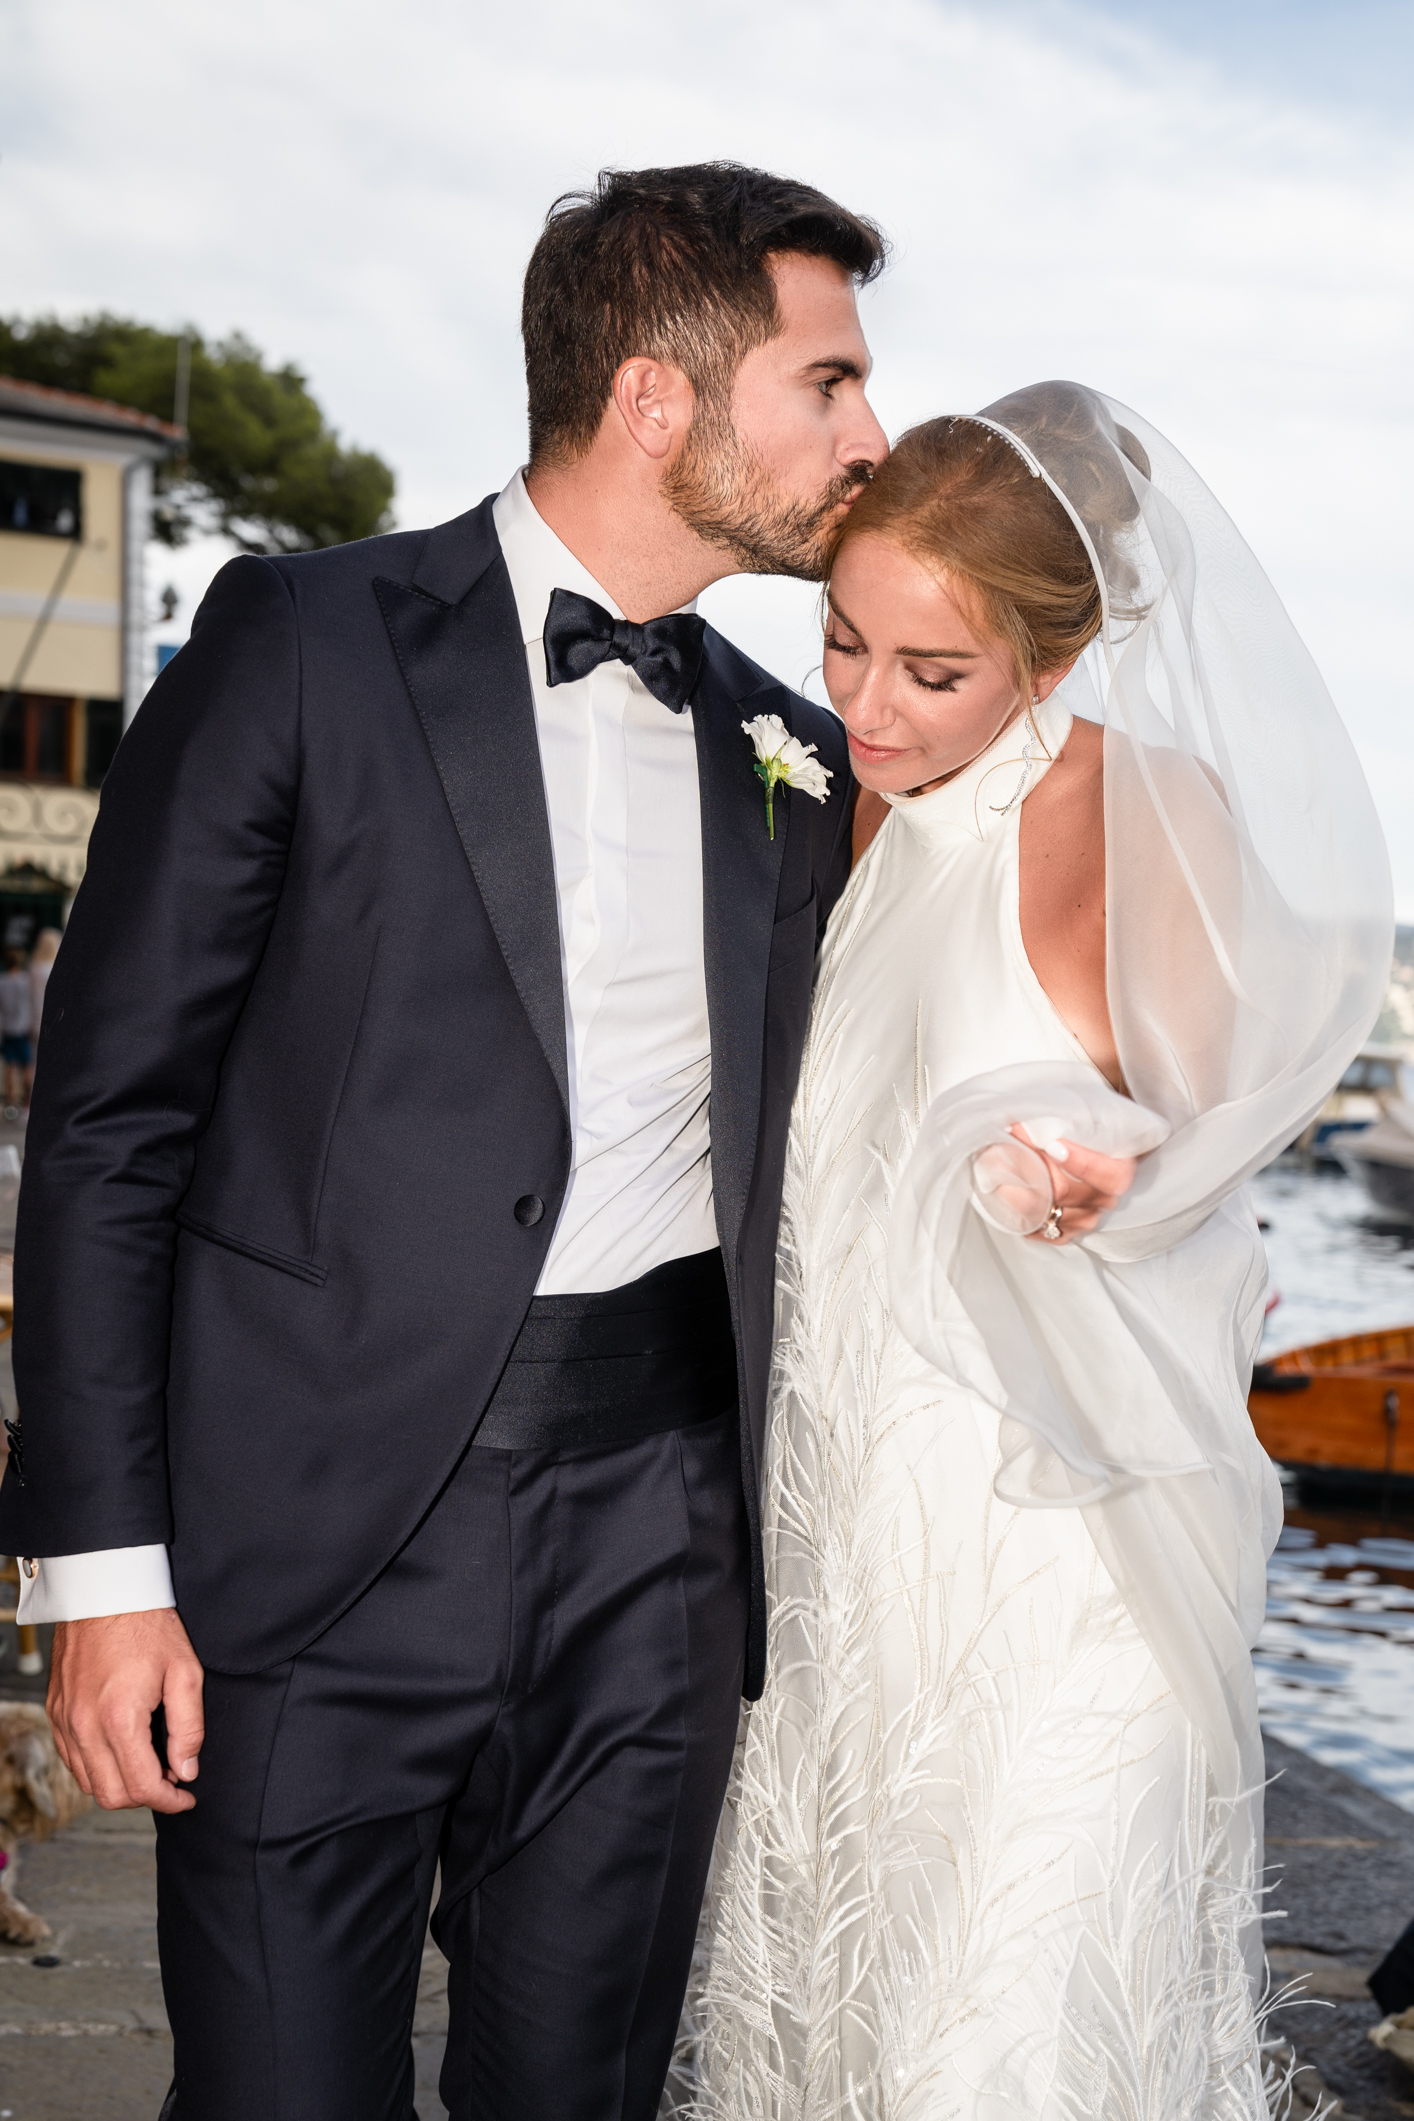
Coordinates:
<point>1249,939</point>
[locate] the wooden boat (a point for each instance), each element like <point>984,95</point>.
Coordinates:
<point>1340,1413</point>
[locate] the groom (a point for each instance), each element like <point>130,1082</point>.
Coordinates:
<point>397,1235</point>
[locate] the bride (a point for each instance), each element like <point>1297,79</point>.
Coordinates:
<point>991,1848</point>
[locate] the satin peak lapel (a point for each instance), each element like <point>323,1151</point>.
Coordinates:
<point>464,665</point>
<point>741,872</point>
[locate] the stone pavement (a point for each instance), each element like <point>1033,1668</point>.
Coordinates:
<point>1341,1863</point>
<point>89,2036</point>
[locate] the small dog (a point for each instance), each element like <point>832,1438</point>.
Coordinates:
<point>37,1794</point>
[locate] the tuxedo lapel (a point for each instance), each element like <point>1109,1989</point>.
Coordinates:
<point>741,871</point>
<point>464,664</point>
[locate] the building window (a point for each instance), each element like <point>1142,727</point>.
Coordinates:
<point>46,738</point>
<point>34,738</point>
<point>41,500</point>
<point>104,728</point>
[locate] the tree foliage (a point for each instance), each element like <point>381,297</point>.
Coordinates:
<point>261,464</point>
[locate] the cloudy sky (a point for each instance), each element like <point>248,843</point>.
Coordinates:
<point>1205,207</point>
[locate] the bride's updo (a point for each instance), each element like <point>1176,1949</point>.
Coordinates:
<point>958,498</point>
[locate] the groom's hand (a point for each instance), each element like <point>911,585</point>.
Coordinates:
<point>1085,1186</point>
<point>107,1679</point>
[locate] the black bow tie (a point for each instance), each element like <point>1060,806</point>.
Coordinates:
<point>666,653</point>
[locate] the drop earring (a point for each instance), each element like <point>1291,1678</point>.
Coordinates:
<point>1033,737</point>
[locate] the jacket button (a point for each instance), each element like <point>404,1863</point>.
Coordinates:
<point>529,1209</point>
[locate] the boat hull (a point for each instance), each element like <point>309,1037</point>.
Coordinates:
<point>1340,1414</point>
<point>1390,1186</point>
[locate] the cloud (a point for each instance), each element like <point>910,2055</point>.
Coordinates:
<point>1069,195</point>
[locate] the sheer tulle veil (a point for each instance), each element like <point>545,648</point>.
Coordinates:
<point>1249,940</point>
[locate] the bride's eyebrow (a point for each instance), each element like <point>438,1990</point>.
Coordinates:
<point>924,655</point>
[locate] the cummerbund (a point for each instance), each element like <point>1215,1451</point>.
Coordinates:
<point>612,1367</point>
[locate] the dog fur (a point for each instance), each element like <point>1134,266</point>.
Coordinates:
<point>37,1795</point>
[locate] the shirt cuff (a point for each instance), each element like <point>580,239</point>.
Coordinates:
<point>93,1586</point>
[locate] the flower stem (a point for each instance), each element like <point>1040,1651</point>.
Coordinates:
<point>770,810</point>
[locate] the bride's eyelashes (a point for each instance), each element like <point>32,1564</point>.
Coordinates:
<point>947,684</point>
<point>835,646</point>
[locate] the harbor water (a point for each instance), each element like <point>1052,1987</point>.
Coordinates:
<point>1335,1663</point>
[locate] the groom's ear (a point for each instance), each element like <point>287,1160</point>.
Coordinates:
<point>654,401</point>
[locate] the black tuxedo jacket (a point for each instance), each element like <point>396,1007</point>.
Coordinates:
<point>304,1057</point>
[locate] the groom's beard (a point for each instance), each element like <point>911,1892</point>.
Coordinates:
<point>723,491</point>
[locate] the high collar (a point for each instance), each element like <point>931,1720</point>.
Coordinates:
<point>977,802</point>
<point>539,562</point>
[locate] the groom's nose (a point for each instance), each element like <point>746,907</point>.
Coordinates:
<point>865,441</point>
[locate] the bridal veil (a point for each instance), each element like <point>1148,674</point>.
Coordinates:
<point>1249,938</point>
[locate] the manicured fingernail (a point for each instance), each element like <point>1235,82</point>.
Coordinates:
<point>1061,1153</point>
<point>188,1771</point>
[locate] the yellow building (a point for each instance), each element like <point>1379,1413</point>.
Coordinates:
<point>75,517</point>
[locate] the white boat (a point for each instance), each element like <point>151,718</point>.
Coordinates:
<point>1370,1086</point>
<point>1381,1156</point>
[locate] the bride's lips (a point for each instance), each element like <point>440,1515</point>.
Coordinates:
<point>876,754</point>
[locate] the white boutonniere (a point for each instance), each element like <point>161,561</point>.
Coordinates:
<point>782,757</point>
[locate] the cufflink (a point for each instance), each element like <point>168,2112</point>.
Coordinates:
<point>30,1566</point>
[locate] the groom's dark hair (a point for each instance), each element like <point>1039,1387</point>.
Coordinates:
<point>671,263</point>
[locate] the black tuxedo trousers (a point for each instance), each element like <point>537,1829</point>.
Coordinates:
<point>544,1689</point>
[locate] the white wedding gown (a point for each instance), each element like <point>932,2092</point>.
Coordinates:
<point>968,1865</point>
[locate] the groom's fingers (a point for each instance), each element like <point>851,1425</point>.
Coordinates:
<point>186,1724</point>
<point>108,1677</point>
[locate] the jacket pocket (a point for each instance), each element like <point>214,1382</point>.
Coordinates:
<point>791,933</point>
<point>301,1269</point>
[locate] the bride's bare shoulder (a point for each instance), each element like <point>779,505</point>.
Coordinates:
<point>1080,765</point>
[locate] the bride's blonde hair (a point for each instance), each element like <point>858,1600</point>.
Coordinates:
<point>959,499</point>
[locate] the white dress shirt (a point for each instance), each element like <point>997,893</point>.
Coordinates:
<point>625,825</point>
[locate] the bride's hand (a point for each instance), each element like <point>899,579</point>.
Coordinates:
<point>1084,1187</point>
